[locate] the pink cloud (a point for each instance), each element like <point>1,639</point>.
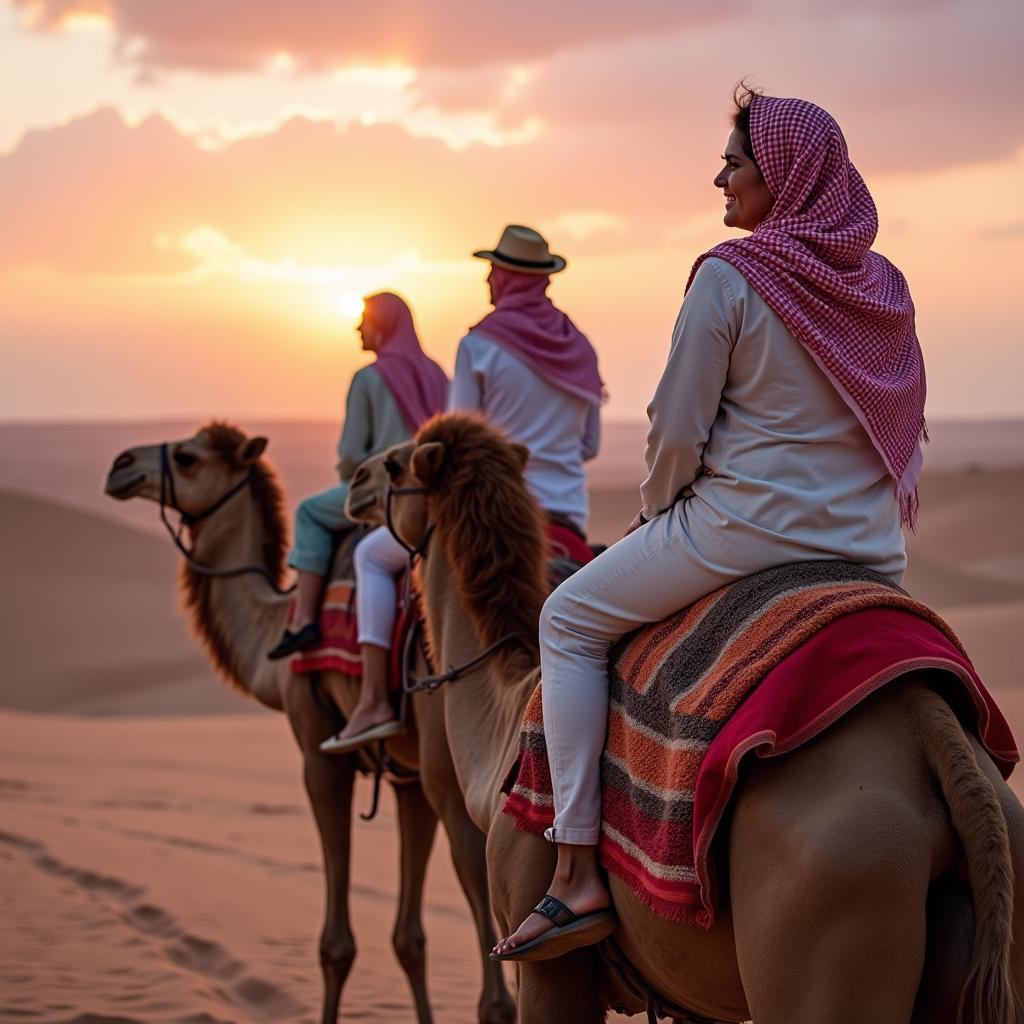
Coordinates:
<point>632,131</point>
<point>911,92</point>
<point>243,34</point>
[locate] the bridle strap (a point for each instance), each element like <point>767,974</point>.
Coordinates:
<point>421,548</point>
<point>169,499</point>
<point>428,684</point>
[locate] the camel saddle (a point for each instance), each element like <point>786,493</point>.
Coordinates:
<point>758,667</point>
<point>339,649</point>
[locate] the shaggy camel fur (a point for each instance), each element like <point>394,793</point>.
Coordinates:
<point>239,619</point>
<point>870,873</point>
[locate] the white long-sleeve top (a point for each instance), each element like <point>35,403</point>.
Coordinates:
<point>746,422</point>
<point>561,430</point>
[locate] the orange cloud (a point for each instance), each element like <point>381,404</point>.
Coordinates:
<point>233,35</point>
<point>101,196</point>
<point>192,262</point>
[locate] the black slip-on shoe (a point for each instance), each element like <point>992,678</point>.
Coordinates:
<point>308,636</point>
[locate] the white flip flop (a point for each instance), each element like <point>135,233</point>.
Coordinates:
<point>337,745</point>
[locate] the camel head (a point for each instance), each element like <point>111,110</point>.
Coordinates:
<point>453,454</point>
<point>203,468</point>
<point>490,526</point>
<point>395,469</point>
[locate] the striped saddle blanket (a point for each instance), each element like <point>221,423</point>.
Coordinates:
<point>760,666</point>
<point>339,650</point>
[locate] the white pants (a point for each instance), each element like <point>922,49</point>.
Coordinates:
<point>659,568</point>
<point>379,561</point>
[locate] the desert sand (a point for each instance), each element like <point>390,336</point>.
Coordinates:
<point>157,861</point>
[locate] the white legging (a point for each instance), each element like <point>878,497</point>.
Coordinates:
<point>379,559</point>
<point>661,567</point>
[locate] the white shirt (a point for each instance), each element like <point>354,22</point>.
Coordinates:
<point>746,422</point>
<point>561,430</point>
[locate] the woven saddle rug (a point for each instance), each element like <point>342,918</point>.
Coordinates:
<point>339,649</point>
<point>759,666</point>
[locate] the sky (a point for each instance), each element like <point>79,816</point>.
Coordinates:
<point>194,196</point>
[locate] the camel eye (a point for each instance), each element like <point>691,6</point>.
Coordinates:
<point>185,459</point>
<point>392,468</point>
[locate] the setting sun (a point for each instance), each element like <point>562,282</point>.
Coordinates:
<point>350,305</point>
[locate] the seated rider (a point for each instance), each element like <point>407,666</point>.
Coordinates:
<point>387,402</point>
<point>786,428</point>
<point>532,373</point>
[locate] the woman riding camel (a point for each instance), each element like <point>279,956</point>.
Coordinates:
<point>786,428</point>
<point>387,402</point>
<point>532,373</point>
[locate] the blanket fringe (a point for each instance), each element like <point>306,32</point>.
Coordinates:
<point>681,913</point>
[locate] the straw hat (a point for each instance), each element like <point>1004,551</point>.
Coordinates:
<point>523,249</point>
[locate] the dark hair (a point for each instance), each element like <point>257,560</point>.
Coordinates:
<point>743,95</point>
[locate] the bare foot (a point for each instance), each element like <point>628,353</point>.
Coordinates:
<point>366,717</point>
<point>582,896</point>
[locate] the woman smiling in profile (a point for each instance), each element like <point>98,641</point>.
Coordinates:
<point>785,428</point>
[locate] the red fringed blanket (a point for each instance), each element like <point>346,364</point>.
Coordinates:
<point>339,651</point>
<point>760,666</point>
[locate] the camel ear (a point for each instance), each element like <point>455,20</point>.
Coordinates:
<point>249,451</point>
<point>521,454</point>
<point>426,461</point>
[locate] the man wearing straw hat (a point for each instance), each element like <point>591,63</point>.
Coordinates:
<point>533,373</point>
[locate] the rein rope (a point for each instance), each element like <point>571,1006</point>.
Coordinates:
<point>430,683</point>
<point>169,499</point>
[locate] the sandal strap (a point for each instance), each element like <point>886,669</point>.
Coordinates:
<point>555,911</point>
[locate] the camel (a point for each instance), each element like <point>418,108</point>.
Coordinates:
<point>870,872</point>
<point>219,476</point>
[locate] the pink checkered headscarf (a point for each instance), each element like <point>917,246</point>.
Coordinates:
<point>810,260</point>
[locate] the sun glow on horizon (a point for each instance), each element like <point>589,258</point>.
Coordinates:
<point>349,305</point>
<point>86,21</point>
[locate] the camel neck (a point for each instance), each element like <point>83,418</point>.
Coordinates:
<point>483,708</point>
<point>239,618</point>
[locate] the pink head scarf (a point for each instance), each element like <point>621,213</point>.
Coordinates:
<point>810,260</point>
<point>418,384</point>
<point>529,325</point>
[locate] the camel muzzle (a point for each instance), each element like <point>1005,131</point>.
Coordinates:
<point>362,504</point>
<point>121,483</point>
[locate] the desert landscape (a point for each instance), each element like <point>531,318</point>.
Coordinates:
<point>157,860</point>
<point>200,206</point>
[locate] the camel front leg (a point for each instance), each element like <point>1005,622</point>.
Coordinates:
<point>329,782</point>
<point>417,825</point>
<point>468,849</point>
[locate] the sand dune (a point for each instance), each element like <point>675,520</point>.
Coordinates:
<point>164,867</point>
<point>92,618</point>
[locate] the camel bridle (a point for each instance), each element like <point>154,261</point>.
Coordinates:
<point>414,638</point>
<point>169,499</point>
